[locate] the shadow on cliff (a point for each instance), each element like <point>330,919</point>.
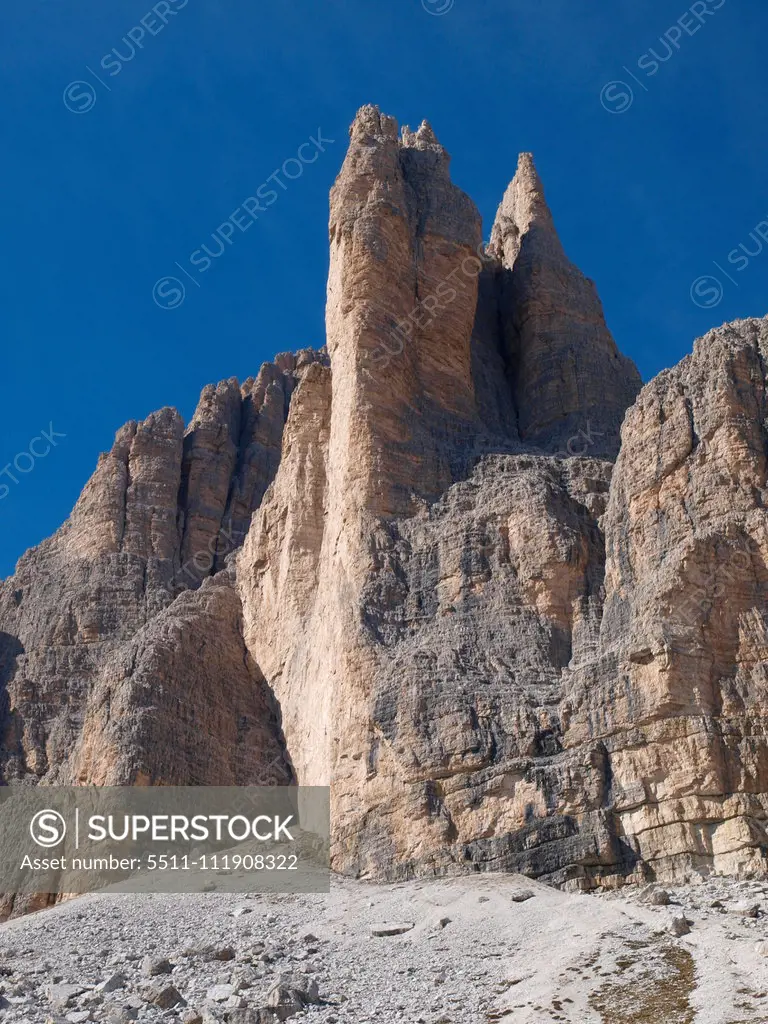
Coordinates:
<point>10,649</point>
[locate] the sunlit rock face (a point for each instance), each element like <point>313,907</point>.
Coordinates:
<point>456,564</point>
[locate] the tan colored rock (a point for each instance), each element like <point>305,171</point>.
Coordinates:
<point>404,400</point>
<point>448,667</point>
<point>117,666</point>
<point>411,571</point>
<point>677,691</point>
<point>412,597</point>
<point>567,369</point>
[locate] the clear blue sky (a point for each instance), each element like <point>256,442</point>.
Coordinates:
<point>99,205</point>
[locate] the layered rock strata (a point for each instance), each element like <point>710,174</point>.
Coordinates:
<point>117,667</point>
<point>675,692</point>
<point>500,650</point>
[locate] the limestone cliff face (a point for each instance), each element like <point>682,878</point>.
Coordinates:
<point>444,600</point>
<point>398,229</point>
<point>566,366</point>
<point>116,665</point>
<point>417,579</point>
<point>676,691</point>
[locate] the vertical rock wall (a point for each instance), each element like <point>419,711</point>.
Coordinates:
<point>410,569</point>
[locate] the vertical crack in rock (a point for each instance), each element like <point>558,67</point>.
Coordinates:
<point>567,369</point>
<point>415,589</point>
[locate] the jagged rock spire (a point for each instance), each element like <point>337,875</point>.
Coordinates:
<point>423,138</point>
<point>370,122</point>
<point>569,378</point>
<point>523,209</point>
<point>185,497</point>
<point>399,337</point>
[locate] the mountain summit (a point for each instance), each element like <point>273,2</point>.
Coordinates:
<point>428,566</point>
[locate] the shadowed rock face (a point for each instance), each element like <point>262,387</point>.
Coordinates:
<point>565,365</point>
<point>445,601</point>
<point>117,666</point>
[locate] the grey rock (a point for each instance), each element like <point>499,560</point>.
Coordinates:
<point>679,926</point>
<point>244,977</point>
<point>219,993</point>
<point>113,983</point>
<point>746,909</point>
<point>63,995</point>
<point>122,1014</point>
<point>290,994</point>
<point>164,996</point>
<point>190,1016</point>
<point>260,1015</point>
<point>223,953</point>
<point>151,967</point>
<point>392,928</point>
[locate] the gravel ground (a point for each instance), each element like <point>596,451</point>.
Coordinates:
<point>454,951</point>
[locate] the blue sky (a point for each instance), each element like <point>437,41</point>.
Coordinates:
<point>644,120</point>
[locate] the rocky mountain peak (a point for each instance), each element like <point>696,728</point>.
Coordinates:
<point>407,566</point>
<point>568,375</point>
<point>423,138</point>
<point>524,212</point>
<point>370,123</point>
